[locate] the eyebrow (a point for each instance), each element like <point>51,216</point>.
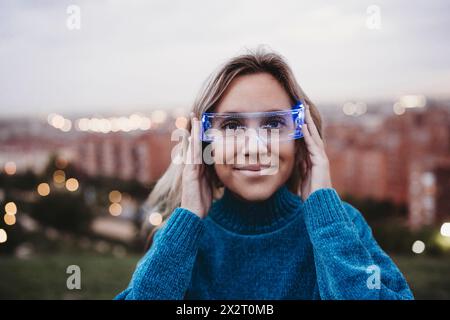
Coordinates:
<point>275,109</point>
<point>270,110</point>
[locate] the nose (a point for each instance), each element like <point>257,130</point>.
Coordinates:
<point>254,144</point>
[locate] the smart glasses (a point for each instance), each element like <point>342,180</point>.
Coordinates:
<point>282,125</point>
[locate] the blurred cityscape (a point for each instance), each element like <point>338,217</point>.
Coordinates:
<point>81,184</point>
<point>109,164</point>
<point>396,152</point>
<point>402,157</point>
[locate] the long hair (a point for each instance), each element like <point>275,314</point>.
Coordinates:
<point>166,195</point>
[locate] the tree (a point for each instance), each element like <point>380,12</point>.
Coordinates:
<point>64,211</point>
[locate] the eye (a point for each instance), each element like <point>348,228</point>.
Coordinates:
<point>231,125</point>
<point>274,123</point>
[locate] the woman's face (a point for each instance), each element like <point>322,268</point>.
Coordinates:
<point>256,93</point>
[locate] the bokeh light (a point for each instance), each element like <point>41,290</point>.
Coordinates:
<point>115,196</point>
<point>413,101</point>
<point>67,125</point>
<point>61,163</point>
<point>115,124</point>
<point>9,219</point>
<point>145,124</point>
<point>43,189</point>
<point>10,168</point>
<point>181,122</point>
<point>155,218</point>
<point>56,120</point>
<point>11,208</point>
<point>445,229</point>
<point>72,184</point>
<point>115,209</point>
<point>158,116</point>
<point>348,108</point>
<point>398,108</point>
<point>3,236</point>
<point>59,176</point>
<point>418,247</point>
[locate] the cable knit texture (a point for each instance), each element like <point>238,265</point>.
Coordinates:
<point>280,248</point>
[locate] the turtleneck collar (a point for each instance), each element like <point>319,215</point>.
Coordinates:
<point>257,217</point>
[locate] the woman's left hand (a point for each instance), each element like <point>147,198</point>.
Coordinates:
<point>317,167</point>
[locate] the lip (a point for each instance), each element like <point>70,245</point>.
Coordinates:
<point>251,167</point>
<point>252,170</point>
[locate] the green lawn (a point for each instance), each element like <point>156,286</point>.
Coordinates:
<point>428,277</point>
<point>102,277</point>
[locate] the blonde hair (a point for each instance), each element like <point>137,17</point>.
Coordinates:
<point>166,195</point>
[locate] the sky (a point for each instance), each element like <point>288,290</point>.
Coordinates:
<point>138,55</point>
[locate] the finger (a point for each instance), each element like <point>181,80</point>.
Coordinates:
<point>311,145</point>
<point>196,141</point>
<point>307,186</point>
<point>188,156</point>
<point>305,166</point>
<point>312,127</point>
<point>305,183</point>
<point>189,152</point>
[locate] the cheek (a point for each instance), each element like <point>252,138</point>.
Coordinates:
<point>287,157</point>
<point>224,152</point>
<point>223,172</point>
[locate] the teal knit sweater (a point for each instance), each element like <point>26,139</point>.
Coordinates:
<point>280,248</point>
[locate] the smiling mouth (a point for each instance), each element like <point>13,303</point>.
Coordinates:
<point>252,167</point>
<point>256,170</point>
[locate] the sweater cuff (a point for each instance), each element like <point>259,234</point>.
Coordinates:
<point>183,229</point>
<point>324,207</point>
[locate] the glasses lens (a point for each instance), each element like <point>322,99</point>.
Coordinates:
<point>280,125</point>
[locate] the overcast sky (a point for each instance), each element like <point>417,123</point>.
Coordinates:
<point>135,55</point>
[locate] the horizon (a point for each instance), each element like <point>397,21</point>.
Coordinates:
<point>112,63</point>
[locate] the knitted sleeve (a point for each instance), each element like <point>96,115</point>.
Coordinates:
<point>349,262</point>
<point>165,270</point>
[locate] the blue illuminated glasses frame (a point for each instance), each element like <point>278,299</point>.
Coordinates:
<point>296,114</point>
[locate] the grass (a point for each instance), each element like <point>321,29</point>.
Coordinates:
<point>44,277</point>
<point>428,277</point>
<point>102,277</point>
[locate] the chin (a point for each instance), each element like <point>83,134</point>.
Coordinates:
<point>254,189</point>
<point>248,184</point>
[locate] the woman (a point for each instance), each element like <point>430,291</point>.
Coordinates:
<point>233,232</point>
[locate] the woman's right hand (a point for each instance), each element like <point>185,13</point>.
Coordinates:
<point>196,194</point>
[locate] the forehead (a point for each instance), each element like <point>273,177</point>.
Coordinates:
<point>254,93</point>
